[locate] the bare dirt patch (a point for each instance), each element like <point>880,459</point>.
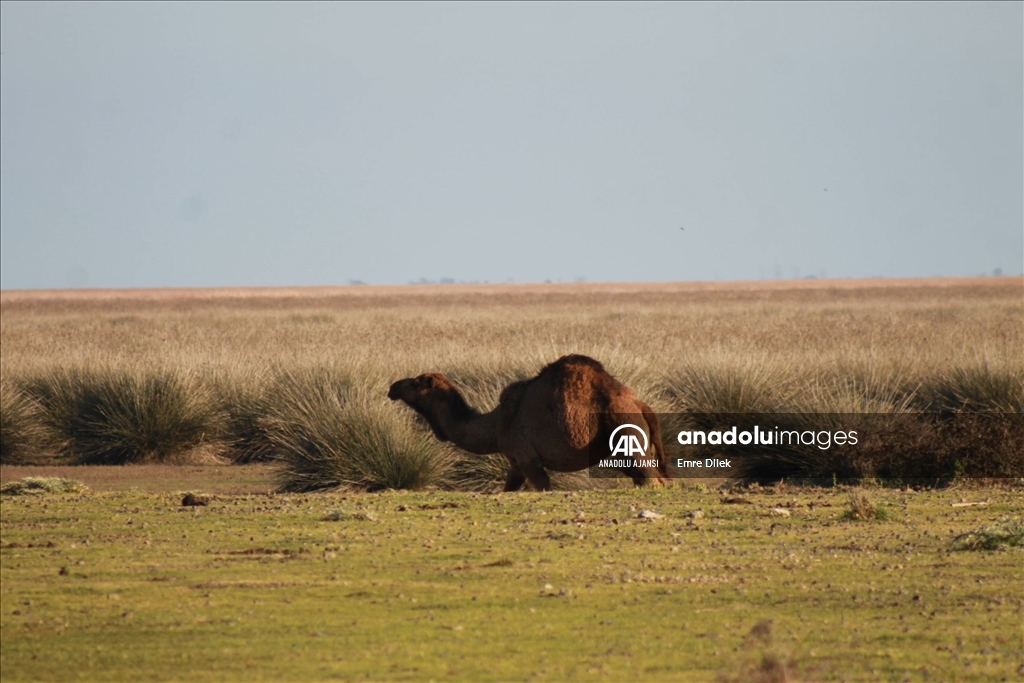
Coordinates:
<point>237,479</point>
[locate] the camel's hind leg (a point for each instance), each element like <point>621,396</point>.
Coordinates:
<point>641,476</point>
<point>658,476</point>
<point>647,421</point>
<point>637,475</point>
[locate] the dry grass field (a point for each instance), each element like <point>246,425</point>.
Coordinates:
<point>804,327</point>
<point>205,375</point>
<point>120,581</point>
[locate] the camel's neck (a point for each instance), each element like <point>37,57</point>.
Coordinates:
<point>465,427</point>
<point>477,434</point>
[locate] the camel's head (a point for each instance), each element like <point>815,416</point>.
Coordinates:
<point>425,394</point>
<point>419,390</point>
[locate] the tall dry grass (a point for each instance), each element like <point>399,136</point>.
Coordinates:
<point>329,432</point>
<point>116,416</point>
<point>23,438</point>
<point>946,346</point>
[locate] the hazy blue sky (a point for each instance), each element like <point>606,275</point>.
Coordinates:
<point>285,144</point>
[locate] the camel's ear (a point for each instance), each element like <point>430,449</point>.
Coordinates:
<point>429,381</point>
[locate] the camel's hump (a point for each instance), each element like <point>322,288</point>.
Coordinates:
<point>574,379</point>
<point>569,374</point>
<point>575,361</point>
<point>580,377</point>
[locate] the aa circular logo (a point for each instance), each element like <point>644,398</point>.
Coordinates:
<point>628,442</point>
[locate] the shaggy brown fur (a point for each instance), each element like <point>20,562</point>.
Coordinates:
<point>560,420</point>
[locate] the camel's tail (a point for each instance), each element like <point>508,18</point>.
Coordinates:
<point>659,447</point>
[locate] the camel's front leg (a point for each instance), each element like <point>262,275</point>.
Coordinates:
<point>526,462</point>
<point>534,471</point>
<point>515,478</point>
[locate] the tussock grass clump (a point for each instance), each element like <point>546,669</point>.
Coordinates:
<point>22,436</point>
<point>246,404</point>
<point>328,434</point>
<point>736,385</point>
<point>913,422</point>
<point>116,417</point>
<point>479,473</point>
<point>978,387</point>
<point>1004,532</point>
<point>37,486</point>
<point>857,387</point>
<point>249,440</point>
<point>861,507</point>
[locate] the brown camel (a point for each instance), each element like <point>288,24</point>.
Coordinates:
<point>560,420</point>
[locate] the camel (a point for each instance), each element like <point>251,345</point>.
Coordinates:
<point>561,420</point>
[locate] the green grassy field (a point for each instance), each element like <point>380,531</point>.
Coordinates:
<point>131,585</point>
